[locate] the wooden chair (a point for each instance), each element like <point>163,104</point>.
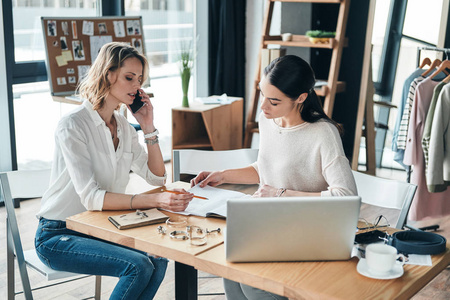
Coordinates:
<point>27,258</point>
<point>187,163</point>
<point>386,193</point>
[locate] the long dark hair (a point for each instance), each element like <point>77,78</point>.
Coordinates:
<point>293,76</point>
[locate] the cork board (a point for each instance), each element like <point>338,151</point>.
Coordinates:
<point>72,44</point>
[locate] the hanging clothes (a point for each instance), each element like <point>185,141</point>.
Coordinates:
<point>404,124</point>
<point>425,204</point>
<point>399,153</point>
<point>428,123</point>
<point>438,172</point>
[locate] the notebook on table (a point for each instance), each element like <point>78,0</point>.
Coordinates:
<point>291,228</point>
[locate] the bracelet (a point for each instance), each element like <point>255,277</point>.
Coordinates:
<point>152,141</point>
<point>131,201</point>
<point>179,235</point>
<point>150,135</point>
<point>280,192</point>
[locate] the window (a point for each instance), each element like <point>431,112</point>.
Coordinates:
<point>167,25</point>
<point>32,99</point>
<point>394,56</point>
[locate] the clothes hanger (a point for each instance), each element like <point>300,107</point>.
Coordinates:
<point>425,62</point>
<point>433,65</point>
<point>442,68</point>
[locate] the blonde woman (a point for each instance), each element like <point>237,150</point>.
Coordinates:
<point>95,150</point>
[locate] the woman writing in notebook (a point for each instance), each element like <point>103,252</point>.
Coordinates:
<point>96,148</point>
<point>300,148</point>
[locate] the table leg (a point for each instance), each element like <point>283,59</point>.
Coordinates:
<point>185,282</point>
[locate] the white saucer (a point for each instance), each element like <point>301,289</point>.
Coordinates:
<point>363,269</point>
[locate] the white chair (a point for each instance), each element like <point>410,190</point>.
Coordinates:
<point>386,193</point>
<point>29,257</point>
<point>191,162</point>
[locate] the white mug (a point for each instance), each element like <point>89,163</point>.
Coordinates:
<point>285,37</point>
<point>382,258</point>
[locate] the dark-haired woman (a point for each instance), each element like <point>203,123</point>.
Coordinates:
<point>300,148</point>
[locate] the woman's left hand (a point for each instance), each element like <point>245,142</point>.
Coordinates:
<point>266,191</point>
<point>144,116</point>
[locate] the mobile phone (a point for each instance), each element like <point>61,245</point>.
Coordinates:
<point>137,103</point>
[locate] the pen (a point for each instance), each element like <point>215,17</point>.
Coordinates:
<point>174,192</point>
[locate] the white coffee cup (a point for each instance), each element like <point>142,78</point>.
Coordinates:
<point>382,258</point>
<point>285,37</point>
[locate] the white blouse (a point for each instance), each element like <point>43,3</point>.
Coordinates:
<point>86,166</point>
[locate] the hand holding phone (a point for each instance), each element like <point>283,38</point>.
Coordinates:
<point>137,103</point>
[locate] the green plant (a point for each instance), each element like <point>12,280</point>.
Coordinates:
<point>320,34</point>
<point>186,61</point>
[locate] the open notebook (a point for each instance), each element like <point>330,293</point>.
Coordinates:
<point>214,206</point>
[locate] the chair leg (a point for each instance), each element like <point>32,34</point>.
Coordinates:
<point>9,265</point>
<point>13,242</point>
<point>98,287</point>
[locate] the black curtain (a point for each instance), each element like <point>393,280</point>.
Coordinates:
<point>226,47</point>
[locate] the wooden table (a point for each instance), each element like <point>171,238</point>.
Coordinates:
<point>298,280</point>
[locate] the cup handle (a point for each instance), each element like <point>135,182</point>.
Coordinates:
<point>401,259</point>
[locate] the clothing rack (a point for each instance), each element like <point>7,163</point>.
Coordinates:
<point>446,52</point>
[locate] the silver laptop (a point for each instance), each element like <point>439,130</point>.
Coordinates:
<point>291,228</point>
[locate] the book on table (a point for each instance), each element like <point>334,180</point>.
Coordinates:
<point>214,206</point>
<point>138,218</point>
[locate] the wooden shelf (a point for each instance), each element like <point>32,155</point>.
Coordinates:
<point>336,46</point>
<point>301,41</point>
<point>216,127</point>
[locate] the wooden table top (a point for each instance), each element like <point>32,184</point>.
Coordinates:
<point>298,280</point>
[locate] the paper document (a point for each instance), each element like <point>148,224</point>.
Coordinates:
<point>215,206</point>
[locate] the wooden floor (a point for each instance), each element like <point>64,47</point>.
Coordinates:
<point>438,289</point>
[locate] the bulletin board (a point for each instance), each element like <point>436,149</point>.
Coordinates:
<point>72,44</point>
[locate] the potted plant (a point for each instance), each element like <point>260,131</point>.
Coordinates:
<point>320,36</point>
<point>186,64</point>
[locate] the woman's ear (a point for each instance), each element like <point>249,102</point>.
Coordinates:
<point>302,98</point>
<point>111,76</point>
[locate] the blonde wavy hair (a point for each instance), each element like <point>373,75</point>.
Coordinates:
<point>95,86</point>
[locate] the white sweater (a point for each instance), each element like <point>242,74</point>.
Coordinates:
<point>308,158</point>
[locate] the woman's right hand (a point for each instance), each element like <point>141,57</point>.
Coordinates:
<point>175,202</point>
<point>205,178</point>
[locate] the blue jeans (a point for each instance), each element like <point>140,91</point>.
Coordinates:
<point>140,275</point>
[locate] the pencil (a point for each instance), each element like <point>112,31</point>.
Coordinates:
<point>175,192</point>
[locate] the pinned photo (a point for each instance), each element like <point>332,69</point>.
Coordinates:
<point>88,28</point>
<point>72,79</point>
<point>63,43</point>
<point>74,30</point>
<point>70,71</point>
<point>102,28</point>
<point>61,80</point>
<point>51,28</point>
<point>119,29</point>
<point>137,43</point>
<point>82,72</point>
<point>65,28</point>
<point>78,50</point>
<point>133,27</point>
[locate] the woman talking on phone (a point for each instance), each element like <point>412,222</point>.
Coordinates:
<point>300,148</point>
<point>95,150</point>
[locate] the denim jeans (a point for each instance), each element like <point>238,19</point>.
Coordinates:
<point>238,291</point>
<point>140,275</point>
